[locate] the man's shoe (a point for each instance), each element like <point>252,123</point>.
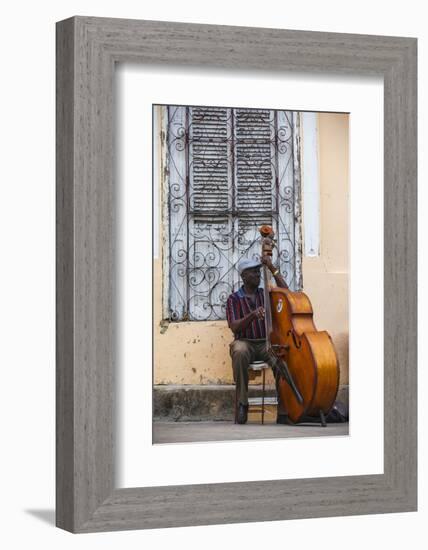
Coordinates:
<point>282,419</point>
<point>242,414</point>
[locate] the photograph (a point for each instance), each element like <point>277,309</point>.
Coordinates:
<point>250,273</point>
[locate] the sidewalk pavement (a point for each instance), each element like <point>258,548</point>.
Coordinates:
<point>186,432</point>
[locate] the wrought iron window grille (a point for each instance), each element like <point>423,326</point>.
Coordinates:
<point>227,172</point>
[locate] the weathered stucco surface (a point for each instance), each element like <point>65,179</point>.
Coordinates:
<point>198,352</point>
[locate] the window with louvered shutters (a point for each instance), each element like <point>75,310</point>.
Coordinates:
<point>228,172</point>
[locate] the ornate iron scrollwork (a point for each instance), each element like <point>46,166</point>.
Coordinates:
<point>229,171</point>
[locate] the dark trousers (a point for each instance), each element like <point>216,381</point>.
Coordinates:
<point>244,352</point>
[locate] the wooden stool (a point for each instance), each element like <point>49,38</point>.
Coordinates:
<point>255,369</point>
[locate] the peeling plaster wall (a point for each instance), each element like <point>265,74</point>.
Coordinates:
<point>198,352</point>
<point>189,352</point>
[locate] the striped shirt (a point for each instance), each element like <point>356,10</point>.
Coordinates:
<point>238,306</point>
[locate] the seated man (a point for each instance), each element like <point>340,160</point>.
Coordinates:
<point>245,315</point>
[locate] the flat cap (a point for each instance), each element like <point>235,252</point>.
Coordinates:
<point>245,263</point>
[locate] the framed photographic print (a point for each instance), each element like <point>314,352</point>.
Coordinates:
<point>175,144</point>
<point>222,173</point>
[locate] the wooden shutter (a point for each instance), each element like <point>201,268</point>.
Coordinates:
<point>210,212</point>
<point>254,176</point>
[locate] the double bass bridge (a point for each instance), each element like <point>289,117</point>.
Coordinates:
<point>278,348</point>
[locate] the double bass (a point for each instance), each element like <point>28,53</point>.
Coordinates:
<point>306,357</point>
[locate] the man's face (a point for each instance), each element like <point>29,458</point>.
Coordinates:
<point>251,276</point>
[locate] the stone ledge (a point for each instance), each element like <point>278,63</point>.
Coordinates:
<point>183,403</point>
<point>198,402</point>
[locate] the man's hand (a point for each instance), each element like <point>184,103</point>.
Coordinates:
<point>267,261</point>
<point>241,324</point>
<point>279,279</point>
<point>259,313</point>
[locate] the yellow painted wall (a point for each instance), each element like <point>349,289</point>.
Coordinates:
<point>325,278</point>
<point>198,352</point>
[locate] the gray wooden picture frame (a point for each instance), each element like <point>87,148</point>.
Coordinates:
<point>87,50</point>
